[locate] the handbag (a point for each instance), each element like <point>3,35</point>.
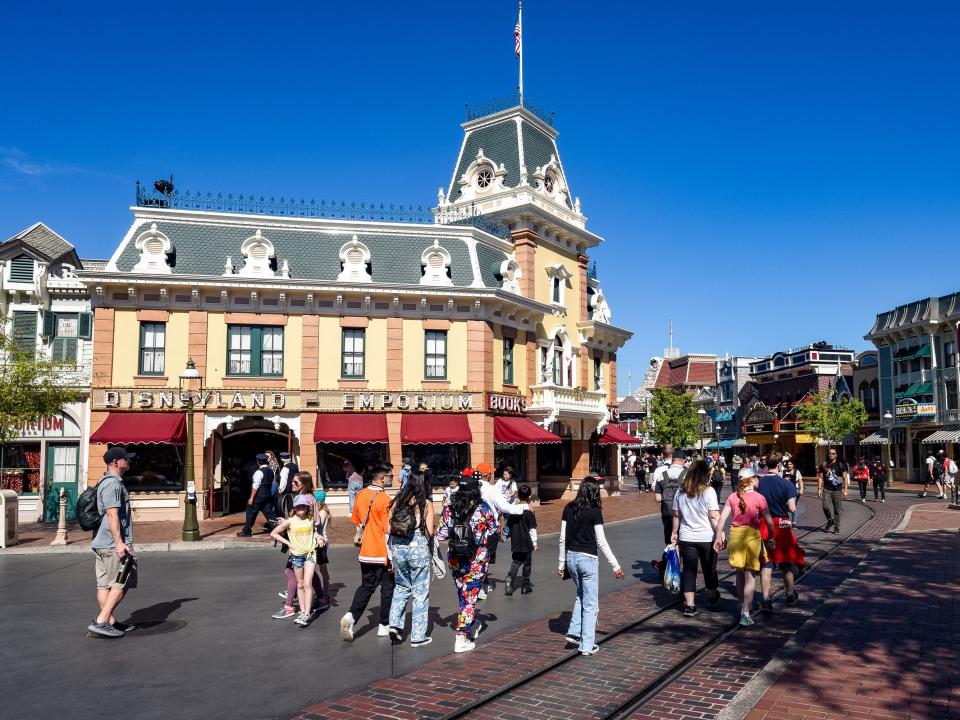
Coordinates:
<point>358,533</point>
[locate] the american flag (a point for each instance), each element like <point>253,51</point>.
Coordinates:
<point>516,38</point>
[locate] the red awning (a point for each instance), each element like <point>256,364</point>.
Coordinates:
<point>351,428</point>
<point>132,428</point>
<point>434,428</point>
<point>520,431</point>
<point>612,434</point>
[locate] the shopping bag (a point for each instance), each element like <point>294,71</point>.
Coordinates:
<point>671,564</point>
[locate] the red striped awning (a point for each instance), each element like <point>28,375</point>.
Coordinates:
<point>520,431</point>
<point>351,428</point>
<point>145,428</point>
<point>434,428</point>
<point>614,435</point>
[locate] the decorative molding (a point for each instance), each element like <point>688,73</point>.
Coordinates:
<point>354,262</point>
<point>435,263</point>
<point>258,256</point>
<point>154,248</point>
<point>511,272</point>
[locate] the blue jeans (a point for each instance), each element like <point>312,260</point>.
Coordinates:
<point>352,489</point>
<point>584,570</point>
<point>411,572</point>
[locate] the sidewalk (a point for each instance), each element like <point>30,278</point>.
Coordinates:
<point>221,532</point>
<point>888,648</point>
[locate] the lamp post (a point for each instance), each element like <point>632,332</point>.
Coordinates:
<point>702,415</point>
<point>888,425</point>
<point>190,383</point>
<point>719,435</point>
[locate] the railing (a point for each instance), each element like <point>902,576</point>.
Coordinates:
<point>475,112</point>
<point>470,215</point>
<point>569,400</point>
<point>292,207</point>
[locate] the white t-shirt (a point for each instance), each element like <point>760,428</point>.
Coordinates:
<point>695,515</point>
<point>930,463</point>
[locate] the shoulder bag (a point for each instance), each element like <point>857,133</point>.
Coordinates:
<point>358,534</point>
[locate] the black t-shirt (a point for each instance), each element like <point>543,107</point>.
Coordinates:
<point>520,527</point>
<point>581,536</point>
<point>877,471</point>
<point>832,474</point>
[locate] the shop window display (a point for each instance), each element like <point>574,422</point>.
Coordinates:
<point>554,459</point>
<point>155,467</point>
<point>20,468</point>
<point>330,458</point>
<point>443,460</point>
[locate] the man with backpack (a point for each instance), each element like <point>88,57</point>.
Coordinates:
<point>261,498</point>
<point>115,563</point>
<point>667,481</point>
<point>934,473</point>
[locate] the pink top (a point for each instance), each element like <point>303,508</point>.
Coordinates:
<point>756,507</point>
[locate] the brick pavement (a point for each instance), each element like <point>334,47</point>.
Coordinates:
<point>219,529</point>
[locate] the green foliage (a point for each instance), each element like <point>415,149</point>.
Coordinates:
<point>31,387</point>
<point>674,418</point>
<point>831,419</point>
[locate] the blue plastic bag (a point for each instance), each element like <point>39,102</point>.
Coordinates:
<point>671,573</point>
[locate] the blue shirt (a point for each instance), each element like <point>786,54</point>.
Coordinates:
<point>777,491</point>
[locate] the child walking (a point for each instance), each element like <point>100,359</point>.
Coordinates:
<point>322,521</point>
<point>523,543</point>
<point>302,539</point>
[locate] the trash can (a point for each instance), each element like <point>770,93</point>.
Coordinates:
<point>9,528</point>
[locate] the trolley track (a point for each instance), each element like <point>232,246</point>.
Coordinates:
<point>648,622</point>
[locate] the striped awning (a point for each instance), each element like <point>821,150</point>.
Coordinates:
<point>878,438</point>
<point>950,434</point>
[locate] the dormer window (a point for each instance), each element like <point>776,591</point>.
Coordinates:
<point>484,178</point>
<point>355,262</point>
<point>259,256</point>
<point>154,247</point>
<point>559,276</point>
<point>556,290</point>
<point>435,262</point>
<point>548,183</point>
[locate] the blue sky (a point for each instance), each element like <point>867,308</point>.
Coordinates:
<point>765,174</point>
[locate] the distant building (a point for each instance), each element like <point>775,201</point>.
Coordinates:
<point>733,374</point>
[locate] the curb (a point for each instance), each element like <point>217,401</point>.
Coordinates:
<point>179,546</point>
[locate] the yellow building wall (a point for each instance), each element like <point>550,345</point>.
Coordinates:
<point>414,350</point>
<point>546,256</point>
<point>375,356</point>
<point>519,363</point>
<point>216,349</point>
<point>126,343</point>
<point>328,365</point>
<point>498,358</point>
<point>293,351</point>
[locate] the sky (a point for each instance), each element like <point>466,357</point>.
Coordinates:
<point>765,175</point>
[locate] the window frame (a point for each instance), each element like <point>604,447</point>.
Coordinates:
<point>435,335</point>
<point>508,346</point>
<point>64,351</point>
<point>354,333</point>
<point>153,349</point>
<point>23,341</point>
<point>597,373</point>
<point>257,351</point>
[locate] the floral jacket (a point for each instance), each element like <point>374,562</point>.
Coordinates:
<point>483,523</point>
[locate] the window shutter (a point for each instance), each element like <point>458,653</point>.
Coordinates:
<point>25,330</point>
<point>85,326</point>
<point>65,349</point>
<point>49,324</point>
<point>21,269</point>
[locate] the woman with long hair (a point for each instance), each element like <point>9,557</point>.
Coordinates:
<point>696,513</point>
<point>468,524</point>
<point>581,540</point>
<point>746,508</point>
<point>409,529</point>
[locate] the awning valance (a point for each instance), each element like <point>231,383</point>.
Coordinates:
<point>919,388</point>
<point>614,435</point>
<point>950,434</point>
<point>351,428</point>
<point>434,428</point>
<point>146,428</point>
<point>877,438</point>
<point>724,417</point>
<point>741,442</point>
<point>520,431</point>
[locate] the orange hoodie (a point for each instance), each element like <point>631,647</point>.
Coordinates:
<point>373,549</point>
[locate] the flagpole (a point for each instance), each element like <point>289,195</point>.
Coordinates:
<point>520,25</point>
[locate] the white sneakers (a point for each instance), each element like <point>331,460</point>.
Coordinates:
<point>346,627</point>
<point>482,594</point>
<point>463,644</point>
<point>383,631</point>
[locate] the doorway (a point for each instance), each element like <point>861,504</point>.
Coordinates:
<point>239,451</point>
<point>63,462</point>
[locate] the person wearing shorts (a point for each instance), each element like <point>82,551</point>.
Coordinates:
<point>113,545</point>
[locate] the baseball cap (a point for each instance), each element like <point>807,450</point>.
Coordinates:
<point>467,473</point>
<point>747,472</point>
<point>320,496</point>
<point>302,500</point>
<point>485,468</point>
<point>117,453</point>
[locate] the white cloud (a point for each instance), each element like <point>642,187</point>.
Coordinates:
<point>17,160</point>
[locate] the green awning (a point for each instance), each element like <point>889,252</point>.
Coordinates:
<point>724,417</point>
<point>711,446</point>
<point>922,351</point>
<point>920,388</point>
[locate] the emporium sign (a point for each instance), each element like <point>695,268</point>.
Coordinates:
<point>909,410</point>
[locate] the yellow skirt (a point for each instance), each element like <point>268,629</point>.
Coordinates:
<point>743,548</point>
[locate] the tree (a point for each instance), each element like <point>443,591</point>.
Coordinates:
<point>674,419</point>
<point>32,386</point>
<point>831,418</point>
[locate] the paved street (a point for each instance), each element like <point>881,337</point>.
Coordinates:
<point>208,647</point>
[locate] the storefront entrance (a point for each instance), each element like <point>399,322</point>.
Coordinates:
<point>239,450</point>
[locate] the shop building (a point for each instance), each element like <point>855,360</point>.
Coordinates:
<point>917,367</point>
<point>733,374</point>
<point>47,310</point>
<point>782,381</point>
<point>472,335</point>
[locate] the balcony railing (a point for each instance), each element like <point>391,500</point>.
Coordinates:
<point>552,398</point>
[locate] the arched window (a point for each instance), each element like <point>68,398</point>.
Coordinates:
<point>558,374</point>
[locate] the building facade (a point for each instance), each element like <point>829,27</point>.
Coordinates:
<point>917,366</point>
<point>733,374</point>
<point>782,381</point>
<point>470,336</point>
<point>47,310</point>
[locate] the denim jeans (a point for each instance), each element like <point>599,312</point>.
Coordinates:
<point>584,570</point>
<point>411,572</point>
<point>353,487</point>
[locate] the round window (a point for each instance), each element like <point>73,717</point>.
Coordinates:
<point>484,178</point>
<point>548,183</point>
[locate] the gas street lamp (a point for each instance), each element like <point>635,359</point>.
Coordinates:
<point>702,417</point>
<point>888,426</point>
<point>190,382</point>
